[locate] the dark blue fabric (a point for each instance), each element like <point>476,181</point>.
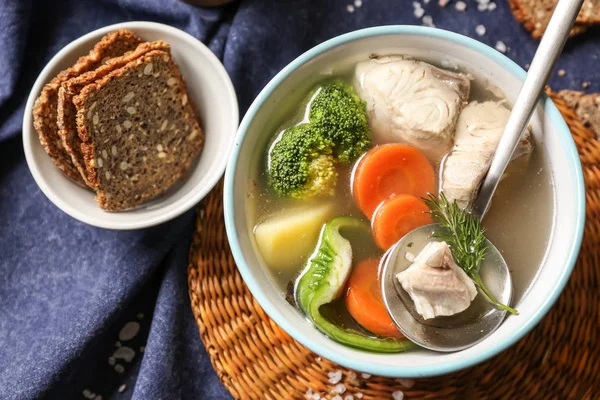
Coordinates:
<point>66,289</point>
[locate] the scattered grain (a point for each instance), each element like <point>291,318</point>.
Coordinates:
<point>350,8</point>
<point>171,81</point>
<point>428,21</point>
<point>96,119</point>
<point>124,353</point>
<point>107,175</point>
<point>113,150</point>
<point>131,110</point>
<point>585,85</point>
<point>119,368</point>
<point>340,388</point>
<point>460,6</point>
<point>122,388</point>
<point>123,165</point>
<point>335,377</point>
<point>501,47</point>
<point>162,154</point>
<point>184,100</point>
<point>480,30</point>
<point>127,124</point>
<point>398,395</point>
<point>129,331</point>
<point>159,147</point>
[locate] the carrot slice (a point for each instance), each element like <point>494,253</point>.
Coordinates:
<point>364,300</point>
<point>390,170</point>
<point>397,216</point>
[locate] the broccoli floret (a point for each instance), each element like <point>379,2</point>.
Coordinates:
<point>339,114</point>
<point>301,164</point>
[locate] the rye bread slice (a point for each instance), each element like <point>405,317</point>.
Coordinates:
<point>66,111</point>
<point>114,44</point>
<point>535,15</point>
<point>139,131</point>
<point>587,107</point>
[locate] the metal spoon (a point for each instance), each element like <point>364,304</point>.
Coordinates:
<point>465,329</point>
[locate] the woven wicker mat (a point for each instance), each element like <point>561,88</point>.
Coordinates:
<point>255,359</point>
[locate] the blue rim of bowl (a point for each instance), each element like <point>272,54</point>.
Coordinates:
<point>407,372</point>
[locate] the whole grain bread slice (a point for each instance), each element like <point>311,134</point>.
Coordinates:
<point>139,131</point>
<point>535,15</point>
<point>114,44</point>
<point>587,107</point>
<point>66,111</point>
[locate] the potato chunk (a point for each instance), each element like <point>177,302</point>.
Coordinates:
<point>287,238</point>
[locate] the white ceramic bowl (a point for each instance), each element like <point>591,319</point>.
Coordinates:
<point>216,103</point>
<point>428,44</point>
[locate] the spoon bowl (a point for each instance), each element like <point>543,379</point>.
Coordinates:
<point>455,332</point>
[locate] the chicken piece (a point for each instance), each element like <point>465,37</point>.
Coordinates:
<point>478,131</point>
<point>437,286</point>
<point>412,102</point>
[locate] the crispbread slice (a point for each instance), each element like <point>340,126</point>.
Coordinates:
<point>139,131</point>
<point>67,124</point>
<point>114,44</point>
<point>587,107</point>
<point>535,15</point>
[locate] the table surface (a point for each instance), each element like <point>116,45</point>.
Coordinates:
<point>71,294</point>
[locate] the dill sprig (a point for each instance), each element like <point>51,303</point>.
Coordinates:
<point>466,238</point>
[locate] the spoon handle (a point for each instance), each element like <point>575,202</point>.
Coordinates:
<point>544,59</point>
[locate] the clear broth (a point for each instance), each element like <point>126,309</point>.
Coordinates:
<point>519,221</point>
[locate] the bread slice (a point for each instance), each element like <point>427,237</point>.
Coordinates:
<point>535,15</point>
<point>114,44</point>
<point>66,112</point>
<point>139,131</point>
<point>587,107</point>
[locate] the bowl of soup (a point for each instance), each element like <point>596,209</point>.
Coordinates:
<point>334,163</point>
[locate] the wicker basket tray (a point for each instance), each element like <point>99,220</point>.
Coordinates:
<point>255,359</point>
